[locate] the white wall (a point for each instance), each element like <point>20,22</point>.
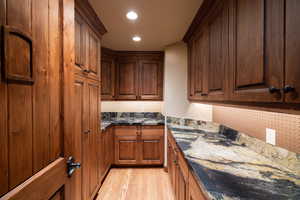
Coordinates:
<point>176,103</point>
<point>131,106</point>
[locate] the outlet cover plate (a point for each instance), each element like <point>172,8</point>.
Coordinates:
<point>270,136</point>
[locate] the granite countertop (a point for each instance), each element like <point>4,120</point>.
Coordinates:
<point>228,169</point>
<point>131,122</point>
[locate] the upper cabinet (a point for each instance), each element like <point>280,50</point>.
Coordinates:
<point>292,52</point>
<point>88,33</point>
<point>132,75</point>
<point>245,52</point>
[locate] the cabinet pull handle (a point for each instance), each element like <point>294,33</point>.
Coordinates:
<point>273,90</point>
<point>288,89</point>
<point>86,70</point>
<point>86,131</point>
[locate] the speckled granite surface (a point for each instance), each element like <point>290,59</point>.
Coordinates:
<point>130,118</point>
<point>227,166</point>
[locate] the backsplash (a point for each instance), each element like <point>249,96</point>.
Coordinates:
<point>276,154</point>
<point>110,116</point>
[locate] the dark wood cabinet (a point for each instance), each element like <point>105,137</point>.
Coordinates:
<point>257,57</point>
<point>87,49</point>
<point>132,75</point>
<point>87,92</point>
<point>127,79</point>
<point>108,75</point>
<point>139,145</point>
<point>184,185</point>
<point>292,49</point>
<point>245,52</point>
<point>151,80</point>
<point>152,145</point>
<point>107,151</point>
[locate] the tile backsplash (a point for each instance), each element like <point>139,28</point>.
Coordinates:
<point>108,116</point>
<point>255,123</point>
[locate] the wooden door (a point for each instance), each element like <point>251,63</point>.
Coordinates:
<point>216,75</point>
<point>151,145</point>
<point>93,94</point>
<point>150,80</point>
<point>198,62</point>
<point>182,185</point>
<point>292,61</point>
<point>256,50</point>
<point>93,49</point>
<point>107,78</point>
<point>195,192</point>
<point>80,43</point>
<point>34,149</point>
<point>127,78</point>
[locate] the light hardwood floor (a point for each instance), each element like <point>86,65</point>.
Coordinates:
<point>136,184</point>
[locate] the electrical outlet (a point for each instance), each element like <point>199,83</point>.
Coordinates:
<point>270,136</point>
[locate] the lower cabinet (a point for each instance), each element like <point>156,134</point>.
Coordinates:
<point>182,180</point>
<point>139,145</point>
<point>107,151</point>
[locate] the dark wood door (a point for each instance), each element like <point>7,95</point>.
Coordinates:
<point>93,55</point>
<point>292,61</point>
<point>150,80</point>
<point>216,75</point>
<point>151,145</point>
<point>198,62</point>
<point>256,50</point>
<point>127,79</point>
<point>182,185</point>
<point>126,145</point>
<point>80,38</point>
<point>34,149</point>
<point>107,78</point>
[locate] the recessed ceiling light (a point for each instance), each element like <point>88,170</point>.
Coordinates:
<point>137,38</point>
<point>132,15</point>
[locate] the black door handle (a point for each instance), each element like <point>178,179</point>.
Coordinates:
<point>72,166</point>
<point>288,89</point>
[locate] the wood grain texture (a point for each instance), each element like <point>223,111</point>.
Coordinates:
<point>292,71</point>
<point>136,184</point>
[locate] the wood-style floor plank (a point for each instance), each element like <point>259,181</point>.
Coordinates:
<point>136,184</point>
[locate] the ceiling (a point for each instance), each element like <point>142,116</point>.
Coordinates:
<point>160,22</point>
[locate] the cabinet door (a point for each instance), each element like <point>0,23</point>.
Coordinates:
<point>107,78</point>
<point>194,190</point>
<point>182,185</point>
<point>126,150</point>
<point>93,150</point>
<point>292,65</point>
<point>215,73</point>
<point>150,80</point>
<point>127,72</point>
<point>79,42</point>
<point>257,50</point>
<point>126,145</point>
<point>93,55</point>
<point>152,145</point>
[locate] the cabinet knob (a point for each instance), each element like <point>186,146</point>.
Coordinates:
<point>273,90</point>
<point>86,131</point>
<point>86,70</point>
<point>288,89</point>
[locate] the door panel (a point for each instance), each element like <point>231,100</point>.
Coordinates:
<point>151,76</point>
<point>292,66</point>
<point>256,58</point>
<point>107,79</point>
<point>79,41</point>
<point>126,150</point>
<point>31,99</point>
<point>93,89</point>
<point>94,55</point>
<point>126,80</point>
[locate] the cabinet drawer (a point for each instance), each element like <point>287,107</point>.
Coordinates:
<point>126,131</point>
<point>148,131</point>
